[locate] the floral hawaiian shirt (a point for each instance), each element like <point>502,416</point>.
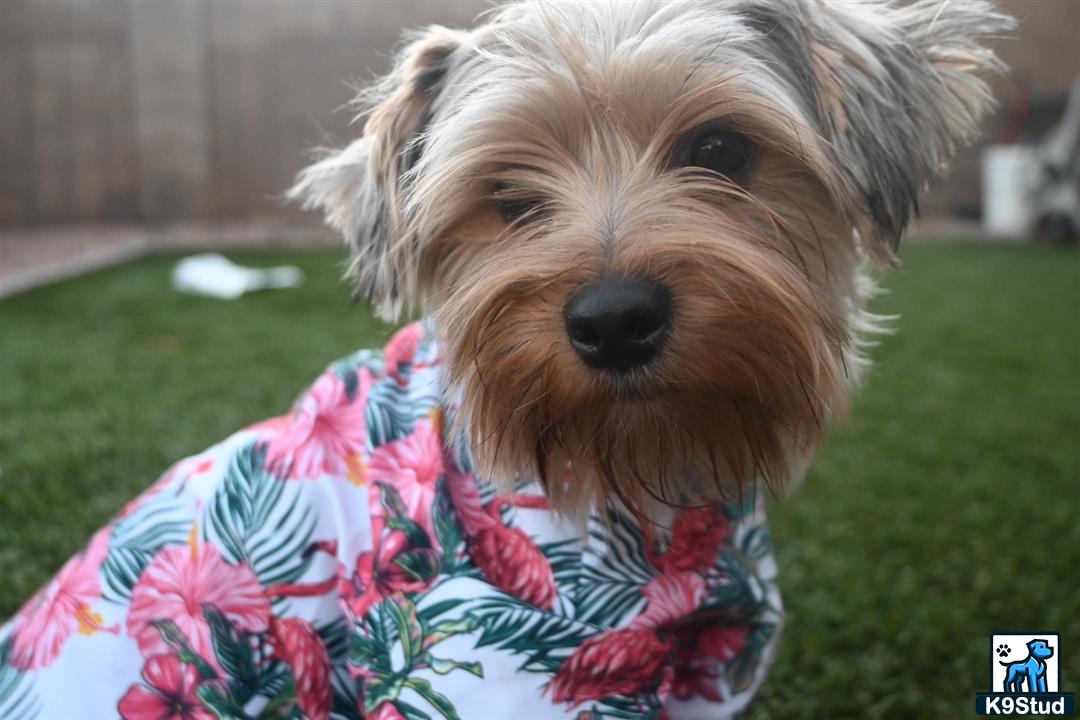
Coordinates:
<point>344,561</point>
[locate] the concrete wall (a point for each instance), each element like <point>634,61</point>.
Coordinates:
<point>201,110</point>
<point>181,110</point>
<point>67,132</point>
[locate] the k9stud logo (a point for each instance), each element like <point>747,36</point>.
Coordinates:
<point>1025,672</point>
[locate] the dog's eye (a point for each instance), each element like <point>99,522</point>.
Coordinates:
<point>514,206</point>
<point>724,152</point>
<point>514,209</point>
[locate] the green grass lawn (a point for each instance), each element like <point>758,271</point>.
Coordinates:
<point>945,508</point>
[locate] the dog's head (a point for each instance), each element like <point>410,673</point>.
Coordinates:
<point>640,225</point>
<point>1040,650</point>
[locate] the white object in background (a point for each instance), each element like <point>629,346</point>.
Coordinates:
<point>215,275</point>
<point>1007,175</point>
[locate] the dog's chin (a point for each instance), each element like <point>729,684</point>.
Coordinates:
<point>670,435</point>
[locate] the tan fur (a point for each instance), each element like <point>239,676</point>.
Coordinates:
<point>753,368</point>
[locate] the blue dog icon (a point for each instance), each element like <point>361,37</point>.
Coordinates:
<point>1032,668</point>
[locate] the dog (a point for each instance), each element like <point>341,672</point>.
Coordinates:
<point>1031,669</point>
<point>640,235</point>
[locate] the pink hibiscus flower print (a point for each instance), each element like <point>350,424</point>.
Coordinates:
<point>411,466</point>
<point>60,608</point>
<point>402,348</point>
<point>324,431</point>
<point>170,695</point>
<point>175,586</point>
<point>378,575</point>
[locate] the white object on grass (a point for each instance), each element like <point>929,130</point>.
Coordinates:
<point>215,275</point>
<point>1007,174</point>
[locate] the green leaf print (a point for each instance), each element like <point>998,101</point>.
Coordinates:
<point>380,689</point>
<point>410,712</point>
<point>420,564</point>
<point>233,651</point>
<point>447,529</point>
<point>614,568</point>
<point>220,703</point>
<point>410,633</point>
<point>393,410</point>
<point>175,639</point>
<point>17,698</point>
<point>395,621</point>
<point>137,538</point>
<point>443,666</point>
<point>742,668</point>
<point>259,519</point>
<point>437,700</point>
<point>545,638</point>
<point>397,517</point>
<point>738,597</point>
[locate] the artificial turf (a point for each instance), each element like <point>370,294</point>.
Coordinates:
<point>945,507</point>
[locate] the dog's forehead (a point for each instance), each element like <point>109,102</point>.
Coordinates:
<point>602,29</point>
<point>588,98</point>
<point>633,50</point>
<point>576,67</point>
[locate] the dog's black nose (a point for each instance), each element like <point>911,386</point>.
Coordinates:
<point>618,323</point>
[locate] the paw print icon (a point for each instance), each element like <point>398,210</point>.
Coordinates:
<point>1003,650</point>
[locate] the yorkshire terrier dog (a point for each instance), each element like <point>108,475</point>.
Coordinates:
<point>639,234</point>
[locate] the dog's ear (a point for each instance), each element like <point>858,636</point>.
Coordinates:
<point>363,188</point>
<point>897,89</point>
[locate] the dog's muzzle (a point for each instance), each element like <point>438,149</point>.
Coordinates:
<point>618,323</point>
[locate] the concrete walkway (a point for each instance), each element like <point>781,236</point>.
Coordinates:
<point>33,257</point>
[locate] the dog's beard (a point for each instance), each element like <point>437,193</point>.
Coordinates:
<point>743,387</point>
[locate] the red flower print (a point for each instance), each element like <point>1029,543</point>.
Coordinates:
<point>402,348</point>
<point>296,642</point>
<point>175,586</point>
<point>386,711</point>
<point>695,539</point>
<point>697,654</point>
<point>507,556</point>
<point>511,562</point>
<point>411,466</point>
<point>325,429</point>
<point>696,676</point>
<point>625,661</point>
<point>670,598</point>
<point>171,695</point>
<point>378,575</point>
<point>60,608</point>
<point>722,643</point>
